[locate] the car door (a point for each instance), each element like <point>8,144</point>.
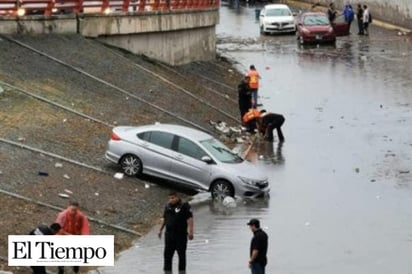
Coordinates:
<point>340,26</point>
<point>157,153</point>
<point>187,166</point>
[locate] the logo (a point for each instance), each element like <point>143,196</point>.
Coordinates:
<point>61,250</point>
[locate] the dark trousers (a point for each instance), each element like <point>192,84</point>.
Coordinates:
<point>257,268</point>
<point>245,103</point>
<point>172,244</point>
<point>360,27</point>
<point>271,126</point>
<point>38,269</point>
<point>75,269</point>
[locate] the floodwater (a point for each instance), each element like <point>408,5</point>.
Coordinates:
<point>341,196</point>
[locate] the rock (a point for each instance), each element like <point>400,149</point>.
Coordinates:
<point>68,191</point>
<point>43,173</point>
<point>118,175</point>
<point>229,202</point>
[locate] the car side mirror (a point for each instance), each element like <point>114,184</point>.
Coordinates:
<point>207,160</point>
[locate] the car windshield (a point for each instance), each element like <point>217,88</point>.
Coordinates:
<point>278,12</point>
<point>316,20</point>
<point>220,151</point>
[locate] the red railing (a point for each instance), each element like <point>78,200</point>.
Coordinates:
<point>50,7</point>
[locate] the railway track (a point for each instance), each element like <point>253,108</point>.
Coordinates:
<point>66,108</point>
<point>128,93</point>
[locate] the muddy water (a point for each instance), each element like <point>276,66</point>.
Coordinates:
<point>341,197</point>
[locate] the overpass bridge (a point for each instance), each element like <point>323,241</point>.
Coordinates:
<point>172,31</point>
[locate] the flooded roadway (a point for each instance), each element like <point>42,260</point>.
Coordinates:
<point>341,197</point>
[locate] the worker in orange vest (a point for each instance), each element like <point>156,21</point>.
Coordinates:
<point>253,84</point>
<point>249,119</point>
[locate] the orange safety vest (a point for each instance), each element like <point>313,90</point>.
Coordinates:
<point>250,115</point>
<point>253,79</point>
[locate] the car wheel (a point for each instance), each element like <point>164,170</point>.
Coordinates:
<point>131,165</point>
<point>221,189</point>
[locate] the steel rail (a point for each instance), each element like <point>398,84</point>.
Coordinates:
<point>182,89</point>
<point>224,95</point>
<point>42,99</point>
<point>106,83</point>
<point>50,206</point>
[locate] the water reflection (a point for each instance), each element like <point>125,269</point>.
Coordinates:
<point>268,152</point>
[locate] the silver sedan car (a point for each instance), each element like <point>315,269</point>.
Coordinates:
<point>186,156</point>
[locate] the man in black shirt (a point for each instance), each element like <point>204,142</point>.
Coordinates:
<point>178,220</point>
<point>267,122</point>
<point>244,96</point>
<point>44,230</point>
<point>258,248</point>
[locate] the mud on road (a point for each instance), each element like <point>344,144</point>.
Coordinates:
<point>84,88</point>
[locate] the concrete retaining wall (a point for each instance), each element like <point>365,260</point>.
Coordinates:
<point>398,12</point>
<point>172,47</point>
<point>174,37</point>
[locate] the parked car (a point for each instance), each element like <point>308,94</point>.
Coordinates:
<point>186,156</point>
<point>276,18</point>
<point>315,27</point>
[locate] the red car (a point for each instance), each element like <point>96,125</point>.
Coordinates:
<point>315,28</point>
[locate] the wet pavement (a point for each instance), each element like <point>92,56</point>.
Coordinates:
<point>341,196</point>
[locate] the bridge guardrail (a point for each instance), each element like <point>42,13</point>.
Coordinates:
<point>9,8</point>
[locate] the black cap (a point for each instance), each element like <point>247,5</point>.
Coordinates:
<point>254,222</point>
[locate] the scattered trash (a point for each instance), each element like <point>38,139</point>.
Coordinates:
<point>1,172</point>
<point>331,127</point>
<point>58,165</point>
<point>64,195</point>
<point>206,241</point>
<point>1,90</point>
<point>235,130</point>
<point>157,123</point>
<point>307,224</point>
<point>363,58</point>
<point>65,176</point>
<point>261,157</point>
<point>229,202</point>
<point>230,70</point>
<point>43,173</point>
<point>146,186</point>
<point>357,170</point>
<point>378,197</point>
<point>118,175</point>
<point>381,106</point>
<point>239,140</point>
<point>68,191</point>
<point>96,193</point>
<point>64,120</point>
<point>127,98</point>
<point>400,171</point>
<point>226,96</point>
<point>373,180</point>
<point>21,139</point>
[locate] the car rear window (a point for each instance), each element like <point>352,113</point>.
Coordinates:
<point>159,138</point>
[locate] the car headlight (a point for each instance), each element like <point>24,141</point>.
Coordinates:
<point>249,181</point>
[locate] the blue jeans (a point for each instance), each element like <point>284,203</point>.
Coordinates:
<point>257,268</point>
<point>254,94</point>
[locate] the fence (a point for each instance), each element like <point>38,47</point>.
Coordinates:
<point>52,7</point>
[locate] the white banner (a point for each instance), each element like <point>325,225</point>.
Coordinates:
<point>61,250</point>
